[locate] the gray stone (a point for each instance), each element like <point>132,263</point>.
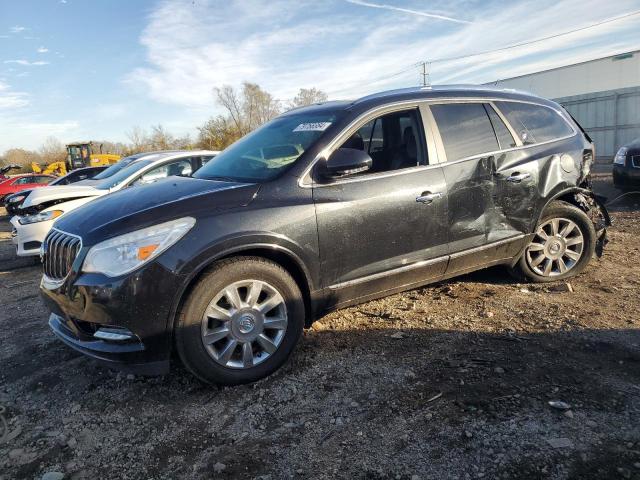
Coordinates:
<point>560,442</point>
<point>53,476</point>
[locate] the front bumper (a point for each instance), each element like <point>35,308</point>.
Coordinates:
<point>28,238</point>
<point>626,175</point>
<point>140,303</point>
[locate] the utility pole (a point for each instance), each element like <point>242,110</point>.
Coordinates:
<point>426,81</point>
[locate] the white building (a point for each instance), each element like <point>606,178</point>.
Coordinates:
<point>603,95</point>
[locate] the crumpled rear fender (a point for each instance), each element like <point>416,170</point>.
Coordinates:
<point>594,206</point>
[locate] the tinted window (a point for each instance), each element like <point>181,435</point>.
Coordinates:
<point>122,175</point>
<point>505,139</point>
<point>43,180</point>
<point>393,141</point>
<point>181,168</point>
<point>534,123</point>
<point>116,167</point>
<point>465,129</point>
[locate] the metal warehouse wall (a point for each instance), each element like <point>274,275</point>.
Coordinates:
<point>611,118</point>
<point>600,75</point>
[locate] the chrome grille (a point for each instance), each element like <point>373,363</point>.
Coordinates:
<point>59,251</point>
<point>635,161</point>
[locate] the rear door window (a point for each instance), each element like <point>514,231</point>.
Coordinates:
<point>465,129</point>
<point>534,123</point>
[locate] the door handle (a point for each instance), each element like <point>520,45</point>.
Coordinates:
<point>517,177</point>
<point>428,197</point>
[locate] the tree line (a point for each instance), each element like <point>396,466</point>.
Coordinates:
<point>244,109</point>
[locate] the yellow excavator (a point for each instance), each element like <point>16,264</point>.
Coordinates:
<point>79,155</point>
<point>82,154</point>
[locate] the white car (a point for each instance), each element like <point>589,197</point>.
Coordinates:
<point>44,205</point>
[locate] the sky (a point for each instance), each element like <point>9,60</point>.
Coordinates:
<point>93,70</point>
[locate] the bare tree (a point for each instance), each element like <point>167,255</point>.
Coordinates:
<point>248,109</point>
<point>160,139</point>
<point>52,150</point>
<point>19,156</point>
<point>139,141</point>
<point>308,96</point>
<point>217,133</point>
<point>228,98</point>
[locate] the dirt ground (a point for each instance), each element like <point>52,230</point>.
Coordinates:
<point>449,381</point>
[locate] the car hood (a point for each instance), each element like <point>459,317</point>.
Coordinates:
<point>59,192</point>
<point>145,205</point>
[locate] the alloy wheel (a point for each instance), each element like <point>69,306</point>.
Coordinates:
<point>244,324</point>
<point>556,248</point>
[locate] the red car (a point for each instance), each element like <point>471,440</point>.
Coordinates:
<point>23,182</point>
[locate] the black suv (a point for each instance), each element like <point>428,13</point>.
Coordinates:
<point>323,207</point>
<point>626,165</point>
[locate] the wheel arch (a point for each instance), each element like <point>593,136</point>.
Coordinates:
<point>566,195</point>
<point>275,253</point>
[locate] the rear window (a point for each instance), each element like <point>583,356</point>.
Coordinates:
<point>534,123</point>
<point>465,129</point>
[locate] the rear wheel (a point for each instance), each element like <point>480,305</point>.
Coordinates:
<point>563,245</point>
<point>241,321</point>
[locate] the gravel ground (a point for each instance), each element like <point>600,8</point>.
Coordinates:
<point>449,381</point>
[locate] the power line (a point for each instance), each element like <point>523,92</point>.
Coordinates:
<point>425,64</point>
<point>378,79</point>
<point>529,42</point>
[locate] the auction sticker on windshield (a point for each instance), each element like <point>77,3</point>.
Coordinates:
<point>312,127</point>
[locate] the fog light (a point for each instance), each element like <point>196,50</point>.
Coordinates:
<point>114,334</point>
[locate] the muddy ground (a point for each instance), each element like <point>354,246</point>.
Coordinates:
<point>449,381</point>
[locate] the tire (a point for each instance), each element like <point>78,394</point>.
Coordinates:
<point>558,249</point>
<point>212,363</point>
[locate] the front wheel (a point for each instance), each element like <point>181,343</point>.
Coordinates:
<point>563,245</point>
<point>241,321</point>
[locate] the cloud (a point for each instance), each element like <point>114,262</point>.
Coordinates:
<point>42,50</point>
<point>17,29</point>
<point>283,46</point>
<point>29,133</point>
<point>27,63</point>
<point>406,10</point>
<point>11,100</point>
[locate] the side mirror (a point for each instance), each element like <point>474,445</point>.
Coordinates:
<point>347,161</point>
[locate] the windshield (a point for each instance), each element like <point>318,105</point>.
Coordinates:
<point>269,150</point>
<point>122,175</point>
<point>116,167</point>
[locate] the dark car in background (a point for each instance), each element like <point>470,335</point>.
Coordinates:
<point>323,207</point>
<point>13,202</point>
<point>626,165</point>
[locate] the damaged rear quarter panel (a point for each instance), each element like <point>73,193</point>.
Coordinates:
<point>519,205</point>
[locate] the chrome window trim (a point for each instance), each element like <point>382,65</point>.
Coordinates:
<point>418,103</point>
<point>348,131</point>
<point>514,134</point>
<point>424,263</point>
<point>50,283</point>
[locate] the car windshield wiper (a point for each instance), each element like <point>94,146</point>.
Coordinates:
<point>221,178</point>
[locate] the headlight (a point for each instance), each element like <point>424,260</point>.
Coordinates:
<point>40,217</point>
<point>16,199</point>
<point>122,254</point>
<point>621,156</point>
